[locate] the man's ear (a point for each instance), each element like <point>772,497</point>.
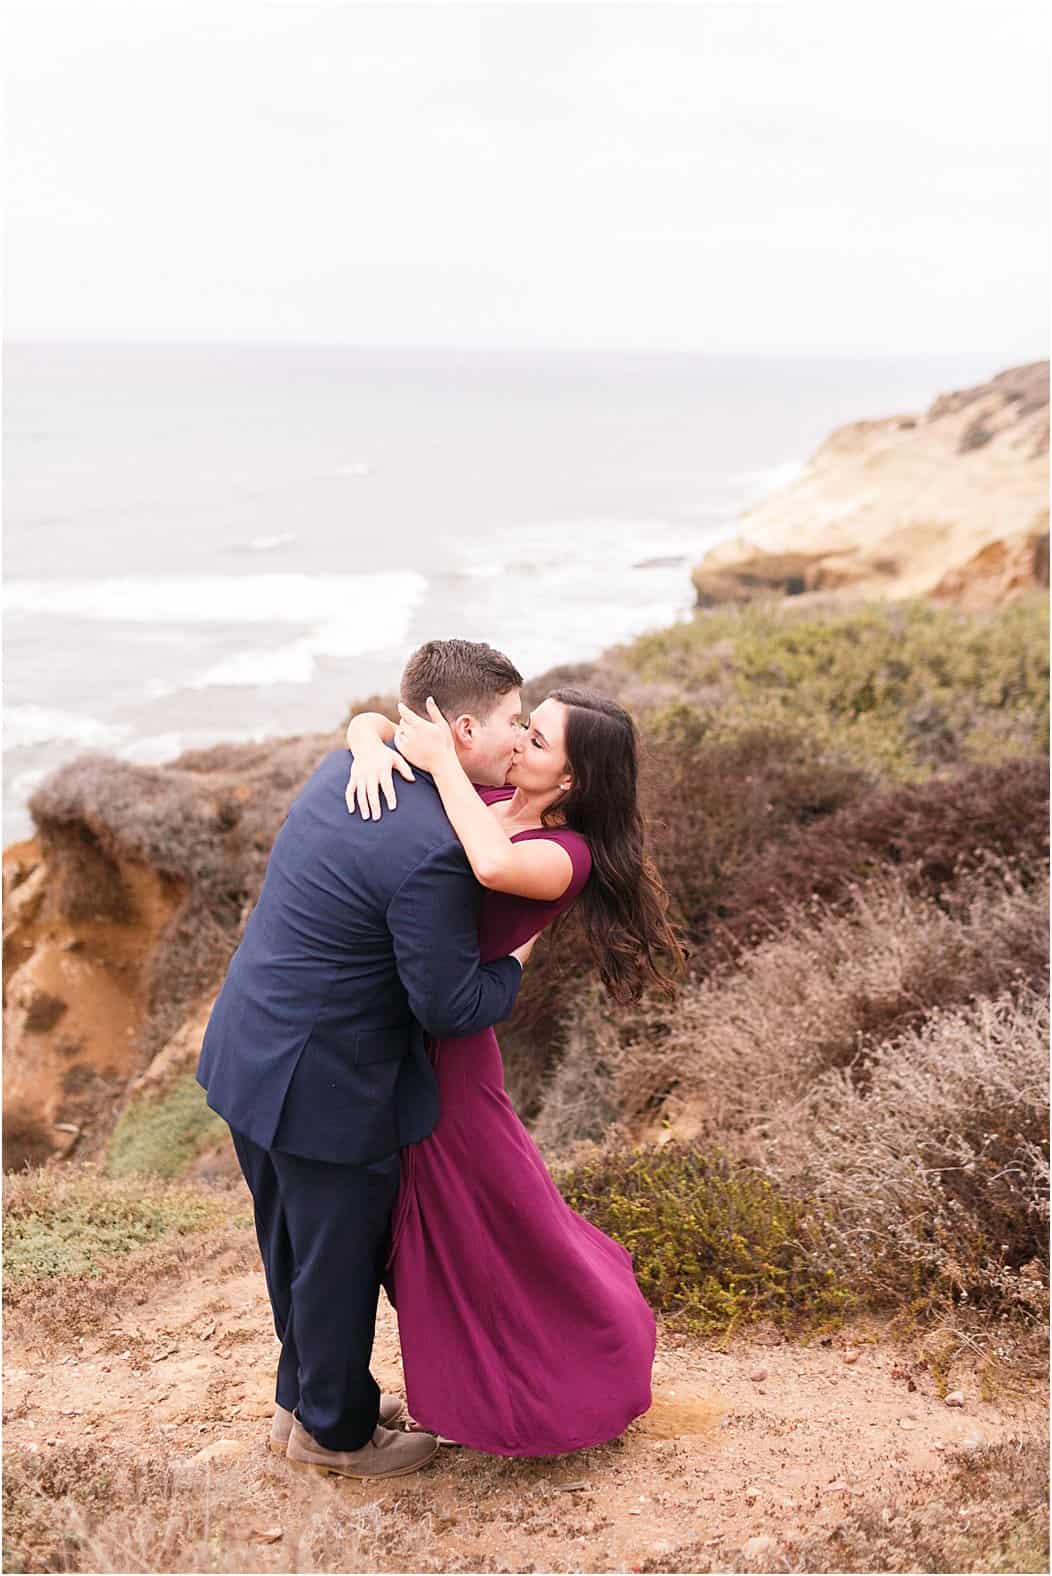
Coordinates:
<point>464,729</point>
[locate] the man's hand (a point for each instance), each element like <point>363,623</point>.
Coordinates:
<point>523,952</point>
<point>373,769</point>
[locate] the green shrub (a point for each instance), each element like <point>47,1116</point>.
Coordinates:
<point>714,1245</point>
<point>72,1222</point>
<point>901,686</point>
<point>158,1135</point>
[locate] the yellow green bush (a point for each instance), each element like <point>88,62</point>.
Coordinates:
<point>714,1244</point>
<point>70,1223</point>
<point>158,1135</point>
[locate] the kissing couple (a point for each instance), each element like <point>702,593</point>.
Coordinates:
<point>351,1051</point>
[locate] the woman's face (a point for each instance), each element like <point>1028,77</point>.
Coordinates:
<point>540,765</point>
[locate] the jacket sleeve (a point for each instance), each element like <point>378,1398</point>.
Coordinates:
<point>433,920</point>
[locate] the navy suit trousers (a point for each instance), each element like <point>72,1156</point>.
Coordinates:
<point>323,1232</point>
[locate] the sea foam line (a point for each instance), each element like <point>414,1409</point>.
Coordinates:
<point>220,599</point>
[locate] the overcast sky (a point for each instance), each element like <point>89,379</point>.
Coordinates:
<point>737,176</point>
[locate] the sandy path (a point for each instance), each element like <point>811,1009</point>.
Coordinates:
<point>723,1456</point>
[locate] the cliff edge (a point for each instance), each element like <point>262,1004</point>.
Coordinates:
<point>952,504</point>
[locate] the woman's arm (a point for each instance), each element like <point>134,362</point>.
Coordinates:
<point>374,765</point>
<point>538,869</point>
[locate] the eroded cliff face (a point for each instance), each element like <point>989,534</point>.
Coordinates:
<point>952,504</point>
<point>119,920</point>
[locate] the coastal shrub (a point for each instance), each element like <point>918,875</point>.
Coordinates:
<point>159,1134</point>
<point>933,1171</point>
<point>71,1222</point>
<point>934,832</point>
<point>734,1050</point>
<point>900,687</point>
<point>714,1244</point>
<point>710,803</point>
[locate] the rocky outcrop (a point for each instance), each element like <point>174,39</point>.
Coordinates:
<point>952,504</point>
<point>119,920</point>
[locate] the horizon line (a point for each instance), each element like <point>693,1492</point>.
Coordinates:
<point>445,348</point>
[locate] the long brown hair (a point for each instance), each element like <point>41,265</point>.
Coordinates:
<point>623,906</point>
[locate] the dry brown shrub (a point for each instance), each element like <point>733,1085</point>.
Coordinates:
<point>935,831</point>
<point>732,1049</point>
<point>934,1169</point>
<point>709,804</point>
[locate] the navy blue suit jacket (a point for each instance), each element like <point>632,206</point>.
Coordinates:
<point>365,936</point>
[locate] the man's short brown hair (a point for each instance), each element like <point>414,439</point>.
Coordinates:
<point>462,675</point>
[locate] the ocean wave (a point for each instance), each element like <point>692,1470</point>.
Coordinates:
<point>331,600</point>
<point>28,726</point>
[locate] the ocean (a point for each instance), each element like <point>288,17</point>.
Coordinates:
<point>218,542</point>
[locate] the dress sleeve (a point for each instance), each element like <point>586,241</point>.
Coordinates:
<point>580,857</point>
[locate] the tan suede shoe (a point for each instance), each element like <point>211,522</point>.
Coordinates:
<point>389,1453</point>
<point>392,1412</point>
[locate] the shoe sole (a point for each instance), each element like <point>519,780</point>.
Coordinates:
<point>280,1446</point>
<point>361,1477</point>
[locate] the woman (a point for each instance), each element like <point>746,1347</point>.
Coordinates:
<point>523,1330</point>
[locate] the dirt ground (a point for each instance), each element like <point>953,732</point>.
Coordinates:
<point>765,1439</point>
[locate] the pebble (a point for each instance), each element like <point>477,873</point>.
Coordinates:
<point>758,1375</point>
<point>905,1422</point>
<point>220,1449</point>
<point>955,1398</point>
<point>752,1548</point>
<point>852,1357</point>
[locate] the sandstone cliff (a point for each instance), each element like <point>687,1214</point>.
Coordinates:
<point>952,504</point>
<point>119,920</point>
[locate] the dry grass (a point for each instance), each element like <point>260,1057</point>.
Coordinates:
<point>933,1167</point>
<point>987,1511</point>
<point>80,1508</point>
<point>76,1243</point>
<point>735,1048</point>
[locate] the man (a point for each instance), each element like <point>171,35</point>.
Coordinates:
<point>364,938</point>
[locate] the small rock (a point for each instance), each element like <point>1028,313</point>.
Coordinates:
<point>905,1422</point>
<point>758,1375</point>
<point>220,1449</point>
<point>752,1548</point>
<point>852,1357</point>
<point>839,1487</point>
<point>269,1535</point>
<point>955,1398</point>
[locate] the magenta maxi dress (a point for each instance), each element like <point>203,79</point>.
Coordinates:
<point>523,1331</point>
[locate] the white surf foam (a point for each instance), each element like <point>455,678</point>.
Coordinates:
<point>345,601</point>
<point>28,726</point>
<point>375,624</point>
